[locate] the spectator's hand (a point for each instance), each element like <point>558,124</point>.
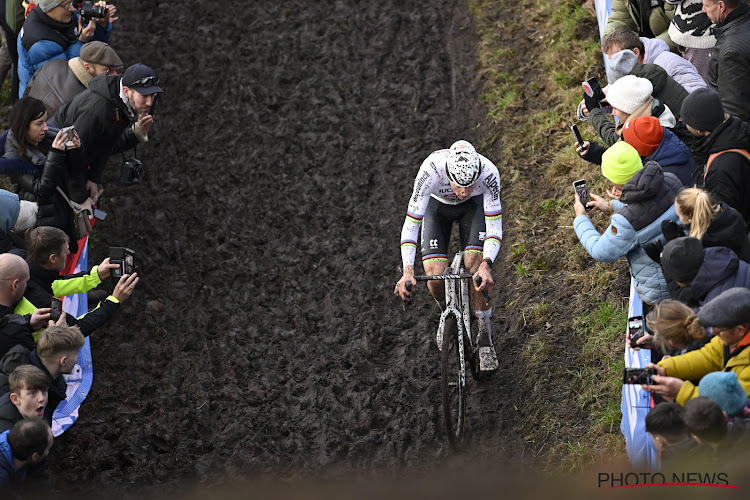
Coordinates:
<point>666,387</point>
<point>590,103</point>
<point>143,125</point>
<point>125,286</point>
<point>76,141</point>
<point>583,149</point>
<point>105,268</point>
<point>60,139</point>
<point>95,191</point>
<point>578,206</point>
<point>110,16</point>
<point>645,342</point>
<point>40,318</point>
<point>400,289</point>
<point>614,193</point>
<point>89,205</point>
<point>485,273</point>
<point>87,33</point>
<point>653,250</point>
<point>583,108</point>
<point>671,230</point>
<point>599,204</point>
<point>61,321</point>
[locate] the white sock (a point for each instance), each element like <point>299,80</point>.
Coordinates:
<point>483,321</point>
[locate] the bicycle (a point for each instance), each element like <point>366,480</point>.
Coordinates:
<point>459,346</point>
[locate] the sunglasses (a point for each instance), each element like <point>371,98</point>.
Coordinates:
<point>145,82</point>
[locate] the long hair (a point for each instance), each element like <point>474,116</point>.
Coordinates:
<point>673,320</point>
<point>698,205</point>
<point>23,112</point>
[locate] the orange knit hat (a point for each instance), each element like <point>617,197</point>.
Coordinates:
<point>644,134</point>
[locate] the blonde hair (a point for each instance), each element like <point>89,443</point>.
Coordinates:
<point>55,340</point>
<point>697,204</point>
<point>673,320</point>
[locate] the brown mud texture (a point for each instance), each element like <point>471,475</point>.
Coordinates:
<point>264,337</point>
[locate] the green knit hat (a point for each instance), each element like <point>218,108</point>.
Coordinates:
<point>620,162</point>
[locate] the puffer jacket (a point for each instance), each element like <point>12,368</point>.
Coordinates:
<point>640,16</point>
<point>712,357</point>
<point>647,199</point>
<point>674,156</point>
<point>721,270</point>
<point>729,66</point>
<point>657,52</point>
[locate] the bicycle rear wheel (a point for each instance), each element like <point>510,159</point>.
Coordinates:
<point>453,380</point>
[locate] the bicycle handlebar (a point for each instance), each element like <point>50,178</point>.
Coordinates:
<point>444,277</point>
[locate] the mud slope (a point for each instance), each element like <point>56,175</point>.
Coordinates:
<point>268,227</point>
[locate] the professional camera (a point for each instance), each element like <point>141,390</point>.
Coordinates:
<point>90,11</point>
<point>131,171</point>
<point>125,257</point>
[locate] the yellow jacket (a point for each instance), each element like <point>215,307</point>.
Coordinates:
<point>709,358</point>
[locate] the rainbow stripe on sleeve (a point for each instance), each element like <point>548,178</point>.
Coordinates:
<point>415,218</point>
<point>493,237</point>
<point>490,216</point>
<point>409,243</point>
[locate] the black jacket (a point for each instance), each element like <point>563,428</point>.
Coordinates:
<point>104,124</point>
<point>9,414</point>
<point>720,271</point>
<point>728,178</point>
<point>728,229</point>
<point>14,330</point>
<point>729,66</point>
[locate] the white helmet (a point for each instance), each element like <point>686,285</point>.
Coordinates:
<point>463,167</point>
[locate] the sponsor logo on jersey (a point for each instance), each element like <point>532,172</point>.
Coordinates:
<point>492,186</point>
<point>419,185</point>
<point>433,244</point>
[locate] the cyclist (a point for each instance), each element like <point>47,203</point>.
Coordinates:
<point>456,184</point>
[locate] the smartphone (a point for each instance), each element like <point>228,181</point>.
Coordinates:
<point>56,307</point>
<point>577,134</point>
<point>71,132</point>
<point>638,376</point>
<point>125,258</point>
<point>635,329</point>
<point>582,189</point>
<point>153,106</point>
<point>99,214</point>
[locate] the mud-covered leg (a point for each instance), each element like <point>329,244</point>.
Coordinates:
<point>483,312</point>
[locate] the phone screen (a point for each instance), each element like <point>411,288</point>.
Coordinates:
<point>582,189</point>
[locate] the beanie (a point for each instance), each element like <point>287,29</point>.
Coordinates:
<point>48,5</point>
<point>702,110</point>
<point>629,93</point>
<point>620,162</point>
<point>725,389</point>
<point>644,133</point>
<point>620,64</point>
<point>682,258</point>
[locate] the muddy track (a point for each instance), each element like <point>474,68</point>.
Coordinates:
<point>268,228</point>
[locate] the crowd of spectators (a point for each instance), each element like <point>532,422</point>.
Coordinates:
<point>74,105</point>
<point>674,145</point>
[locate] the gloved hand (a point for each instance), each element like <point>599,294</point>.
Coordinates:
<point>672,230</point>
<point>653,250</point>
<point>591,102</point>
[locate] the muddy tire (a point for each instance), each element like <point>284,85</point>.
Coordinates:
<point>453,380</point>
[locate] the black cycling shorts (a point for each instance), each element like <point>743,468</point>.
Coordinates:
<point>438,221</point>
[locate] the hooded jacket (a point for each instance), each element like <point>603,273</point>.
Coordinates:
<point>721,270</point>
<point>9,413</point>
<point>104,123</point>
<point>640,16</point>
<point>729,66</point>
<point>728,177</point>
<point>657,52</point>
<point>647,199</point>
<point>611,133</point>
<point>728,229</point>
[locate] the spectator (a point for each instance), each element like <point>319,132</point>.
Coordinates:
<point>111,116</point>
<point>12,21</point>
<point>26,444</point>
<point>675,327</point>
<point>654,51</point>
<point>56,355</point>
<point>690,30</point>
<point>27,397</point>
<point>729,67</point>
<point>14,328</point>
<point>715,224</point>
<point>643,196</point>
<point>725,389</point>
<point>52,31</point>
<point>729,316</point>
<point>47,254</point>
<point>10,208</point>
<point>648,19</point>
<point>27,140</point>
<point>727,172</point>
<point>705,421</point>
<point>629,97</point>
<point>669,433</point>
<point>60,80</point>
<point>706,271</point>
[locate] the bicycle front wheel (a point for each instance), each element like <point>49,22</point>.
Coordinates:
<point>453,380</point>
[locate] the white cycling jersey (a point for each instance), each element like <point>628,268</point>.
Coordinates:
<point>432,181</point>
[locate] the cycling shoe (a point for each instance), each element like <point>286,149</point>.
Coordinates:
<point>487,360</point>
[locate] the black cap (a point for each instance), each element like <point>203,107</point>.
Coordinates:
<point>682,258</point>
<point>142,79</point>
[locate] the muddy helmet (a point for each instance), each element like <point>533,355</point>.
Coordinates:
<point>463,167</point>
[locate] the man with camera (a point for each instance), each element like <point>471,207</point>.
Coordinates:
<point>53,31</point>
<point>114,114</point>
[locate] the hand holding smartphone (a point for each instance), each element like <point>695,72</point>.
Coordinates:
<point>582,189</point>
<point>56,306</point>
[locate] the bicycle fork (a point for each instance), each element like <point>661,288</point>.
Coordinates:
<point>452,305</point>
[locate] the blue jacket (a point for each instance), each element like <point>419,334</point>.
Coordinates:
<point>42,39</point>
<point>9,476</point>
<point>721,270</point>
<point>674,157</point>
<point>647,199</point>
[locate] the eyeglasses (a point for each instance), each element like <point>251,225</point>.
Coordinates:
<point>66,5</point>
<point>145,82</point>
